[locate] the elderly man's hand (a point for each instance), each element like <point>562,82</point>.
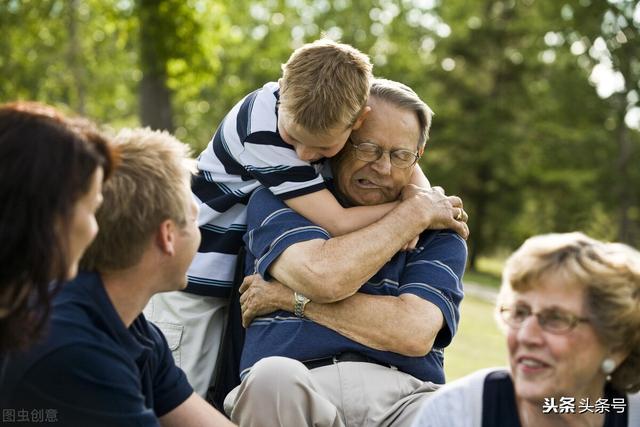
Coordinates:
<point>437,210</point>
<point>262,297</point>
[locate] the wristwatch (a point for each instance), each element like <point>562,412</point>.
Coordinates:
<point>299,303</point>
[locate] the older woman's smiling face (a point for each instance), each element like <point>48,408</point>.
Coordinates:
<point>372,183</point>
<point>544,364</point>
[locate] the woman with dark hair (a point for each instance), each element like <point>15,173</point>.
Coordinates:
<point>51,174</point>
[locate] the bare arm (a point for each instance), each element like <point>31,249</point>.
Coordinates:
<point>195,412</point>
<point>406,324</point>
<point>418,177</point>
<point>322,208</point>
<point>331,270</point>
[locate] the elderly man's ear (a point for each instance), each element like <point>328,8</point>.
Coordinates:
<point>361,117</point>
<point>166,237</point>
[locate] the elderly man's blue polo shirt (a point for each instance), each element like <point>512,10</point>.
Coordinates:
<point>91,370</point>
<point>433,272</point>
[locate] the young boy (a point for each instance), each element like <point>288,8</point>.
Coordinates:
<point>274,137</point>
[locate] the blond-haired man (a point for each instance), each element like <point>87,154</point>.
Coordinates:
<point>273,137</point>
<point>102,363</point>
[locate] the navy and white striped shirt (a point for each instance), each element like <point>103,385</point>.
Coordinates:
<point>245,152</point>
<point>433,272</point>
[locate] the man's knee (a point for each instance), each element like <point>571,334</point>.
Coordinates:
<point>277,373</point>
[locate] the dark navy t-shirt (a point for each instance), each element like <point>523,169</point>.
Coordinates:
<point>91,370</point>
<point>433,272</point>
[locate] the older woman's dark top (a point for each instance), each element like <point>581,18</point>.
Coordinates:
<point>499,403</point>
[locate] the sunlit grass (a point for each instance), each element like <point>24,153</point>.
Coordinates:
<point>487,273</point>
<point>491,265</point>
<point>482,278</point>
<point>478,344</point>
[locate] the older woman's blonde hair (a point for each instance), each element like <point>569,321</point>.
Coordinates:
<point>610,274</point>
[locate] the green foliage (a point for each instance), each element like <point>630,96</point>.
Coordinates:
<point>520,131</point>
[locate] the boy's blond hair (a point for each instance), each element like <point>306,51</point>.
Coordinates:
<point>325,84</point>
<point>149,186</point>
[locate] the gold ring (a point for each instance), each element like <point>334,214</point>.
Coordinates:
<point>459,217</point>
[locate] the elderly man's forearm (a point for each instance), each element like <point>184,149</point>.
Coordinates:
<point>405,325</point>
<point>334,269</point>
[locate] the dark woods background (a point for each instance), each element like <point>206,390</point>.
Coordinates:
<point>536,101</point>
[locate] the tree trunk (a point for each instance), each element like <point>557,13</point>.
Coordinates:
<point>479,200</point>
<point>155,97</point>
<point>624,191</point>
<point>74,55</point>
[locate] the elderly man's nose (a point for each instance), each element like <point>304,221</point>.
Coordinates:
<point>383,164</point>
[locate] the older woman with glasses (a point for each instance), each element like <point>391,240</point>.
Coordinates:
<point>571,309</point>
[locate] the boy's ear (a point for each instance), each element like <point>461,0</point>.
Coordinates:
<point>361,117</point>
<point>166,237</point>
<point>421,150</point>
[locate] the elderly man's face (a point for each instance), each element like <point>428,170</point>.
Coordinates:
<point>372,183</point>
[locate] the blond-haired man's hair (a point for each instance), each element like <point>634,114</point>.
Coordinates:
<point>325,84</point>
<point>149,186</point>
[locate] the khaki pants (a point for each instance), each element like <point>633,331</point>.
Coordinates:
<point>282,392</point>
<point>193,327</point>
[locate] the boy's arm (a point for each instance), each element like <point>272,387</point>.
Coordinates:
<point>322,208</point>
<point>419,178</point>
<point>330,270</point>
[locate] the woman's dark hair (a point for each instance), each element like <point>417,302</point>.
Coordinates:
<point>46,165</point>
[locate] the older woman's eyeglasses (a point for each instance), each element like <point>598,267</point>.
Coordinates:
<point>370,152</point>
<point>551,320</point>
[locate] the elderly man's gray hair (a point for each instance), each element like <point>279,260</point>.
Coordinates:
<point>404,97</point>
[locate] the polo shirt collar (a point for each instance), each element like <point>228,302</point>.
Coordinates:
<point>133,339</point>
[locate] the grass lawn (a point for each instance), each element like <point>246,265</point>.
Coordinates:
<point>482,278</point>
<point>478,344</point>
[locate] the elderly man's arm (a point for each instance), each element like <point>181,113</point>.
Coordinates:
<point>405,324</point>
<point>331,270</point>
<point>425,310</point>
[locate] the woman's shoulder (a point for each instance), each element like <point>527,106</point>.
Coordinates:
<point>472,384</point>
<point>633,405</point>
<point>462,397</point>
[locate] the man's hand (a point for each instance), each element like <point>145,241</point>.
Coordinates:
<point>437,210</point>
<point>261,297</point>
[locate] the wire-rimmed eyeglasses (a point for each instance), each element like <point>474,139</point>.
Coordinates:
<point>370,152</point>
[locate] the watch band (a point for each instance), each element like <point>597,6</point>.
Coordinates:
<point>299,303</point>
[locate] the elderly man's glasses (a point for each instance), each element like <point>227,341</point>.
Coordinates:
<point>370,152</point>
<point>551,320</point>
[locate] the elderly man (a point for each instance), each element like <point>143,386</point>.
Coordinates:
<point>325,349</point>
<point>102,363</point>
